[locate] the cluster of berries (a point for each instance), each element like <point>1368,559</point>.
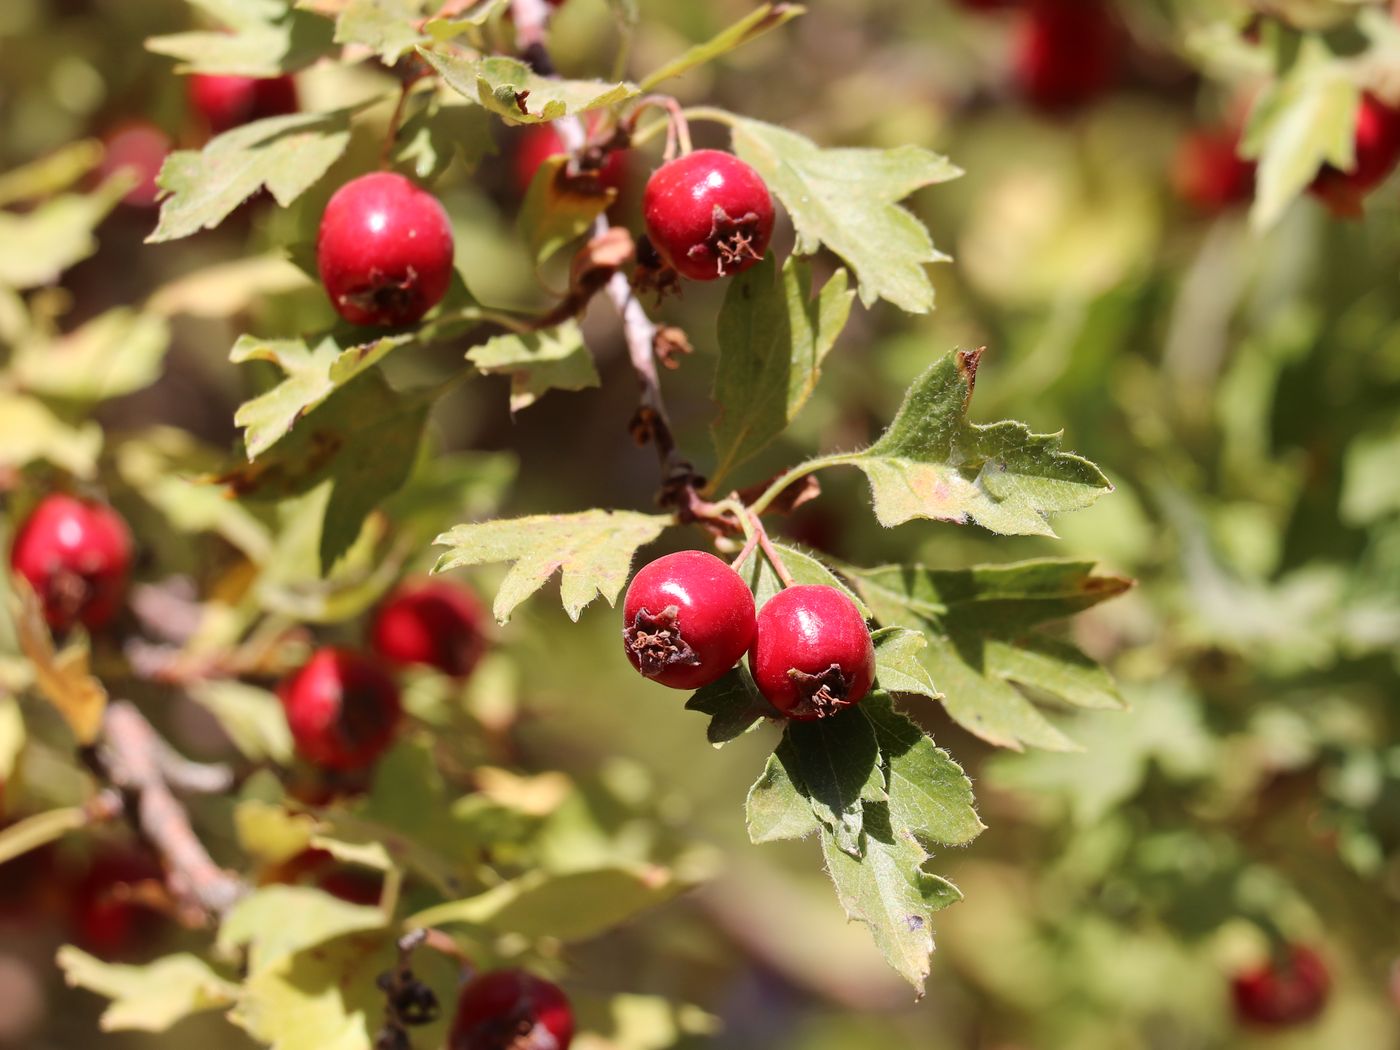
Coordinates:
<point>689,617</point>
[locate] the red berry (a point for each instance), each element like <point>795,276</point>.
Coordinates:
<point>1209,173</point>
<point>76,554</point>
<point>230,102</point>
<point>1377,152</point>
<point>1066,53</point>
<point>435,623</point>
<point>108,918</point>
<point>539,142</point>
<point>812,655</point>
<point>1282,992</point>
<point>343,709</point>
<point>988,5</point>
<point>687,619</point>
<point>511,1010</point>
<point>708,214</point>
<point>140,149</point>
<point>384,250</point>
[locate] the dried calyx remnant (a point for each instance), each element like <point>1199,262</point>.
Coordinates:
<point>823,695</point>
<point>385,294</point>
<point>731,240</point>
<point>656,640</point>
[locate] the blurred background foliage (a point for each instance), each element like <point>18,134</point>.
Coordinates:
<point>1239,385</point>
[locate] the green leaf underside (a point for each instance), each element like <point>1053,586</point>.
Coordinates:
<point>757,22</point>
<point>593,550</point>
<point>773,336</point>
<point>536,362</point>
<point>261,39</point>
<point>847,200</point>
<point>441,130</point>
<point>511,90</point>
<point>274,922</point>
<point>286,155</point>
<point>982,626</point>
<point>148,998</point>
<point>734,705</point>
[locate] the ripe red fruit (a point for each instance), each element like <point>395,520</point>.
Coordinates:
<point>108,918</point>
<point>539,142</point>
<point>1282,992</point>
<point>1066,53</point>
<point>138,148</point>
<point>229,102</point>
<point>687,619</point>
<point>342,708</point>
<point>511,1010</point>
<point>435,623</point>
<point>76,554</point>
<point>708,214</point>
<point>1209,173</point>
<point>1377,152</point>
<point>384,250</point>
<point>812,655</point>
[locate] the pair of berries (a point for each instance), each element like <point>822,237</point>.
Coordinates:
<point>1282,992</point>
<point>76,554</point>
<point>689,618</point>
<point>343,707</point>
<point>511,1010</point>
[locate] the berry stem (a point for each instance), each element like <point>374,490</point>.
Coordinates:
<point>391,134</point>
<point>782,481</point>
<point>769,551</point>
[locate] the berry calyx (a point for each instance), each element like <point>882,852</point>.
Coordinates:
<point>226,102</point>
<point>539,142</point>
<point>511,1010</point>
<point>1282,992</point>
<point>384,250</point>
<point>812,656</point>
<point>1377,139</point>
<point>434,623</point>
<point>1066,53</point>
<point>708,214</point>
<point>138,149</point>
<point>1209,173</point>
<point>687,619</point>
<point>343,709</point>
<point>76,554</point>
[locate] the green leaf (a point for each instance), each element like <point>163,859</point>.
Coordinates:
<point>982,629</point>
<point>778,807</point>
<point>734,705</point>
<point>773,336</point>
<point>252,718</point>
<point>38,245</point>
<point>39,830</point>
<point>274,922</point>
<point>1370,483</point>
<point>889,891</point>
<point>550,359</point>
<point>270,832</point>
<point>847,199</point>
<point>932,463</point>
<point>751,26</point>
<point>929,794</point>
<point>287,155</point>
<point>510,89</point>
<point>1298,124</point>
<point>50,173</point>
<point>441,130</point>
<point>115,353</point>
<point>804,568</point>
<point>837,761</point>
<point>12,736</point>
<point>558,209</point>
<point>149,998</point>
<point>29,431</point>
<point>386,27</point>
<point>898,669</point>
<point>592,549</point>
<point>444,29</point>
<point>262,40</point>
<point>228,288</point>
<point>573,906</point>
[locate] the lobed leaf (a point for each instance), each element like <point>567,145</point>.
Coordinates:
<point>262,38</point>
<point>38,245</point>
<point>778,806</point>
<point>274,922</point>
<point>150,998</point>
<point>512,90</point>
<point>441,130</point>
<point>115,353</point>
<point>550,359</point>
<point>386,27</point>
<point>897,662</point>
<point>734,705</point>
<point>837,762</point>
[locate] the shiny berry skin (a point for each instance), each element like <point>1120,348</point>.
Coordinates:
<point>1209,174</point>
<point>384,250</point>
<point>76,554</point>
<point>140,149</point>
<point>511,1010</point>
<point>539,142</point>
<point>1377,152</point>
<point>342,708</point>
<point>1282,993</point>
<point>435,623</point>
<point>1066,53</point>
<point>708,214</point>
<point>226,102</point>
<point>812,655</point>
<point>687,619</point>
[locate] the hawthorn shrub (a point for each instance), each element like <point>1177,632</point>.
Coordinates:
<point>263,781</point>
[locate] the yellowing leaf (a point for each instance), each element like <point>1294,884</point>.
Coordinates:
<point>147,998</point>
<point>61,677</point>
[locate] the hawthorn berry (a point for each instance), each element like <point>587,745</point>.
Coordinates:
<point>1209,173</point>
<point>539,142</point>
<point>1282,992</point>
<point>109,919</point>
<point>76,554</point>
<point>812,655</point>
<point>384,250</point>
<point>708,214</point>
<point>511,1010</point>
<point>342,708</point>
<point>1066,53</point>
<point>1377,141</point>
<point>226,102</point>
<point>687,619</point>
<point>434,623</point>
<point>140,149</point>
